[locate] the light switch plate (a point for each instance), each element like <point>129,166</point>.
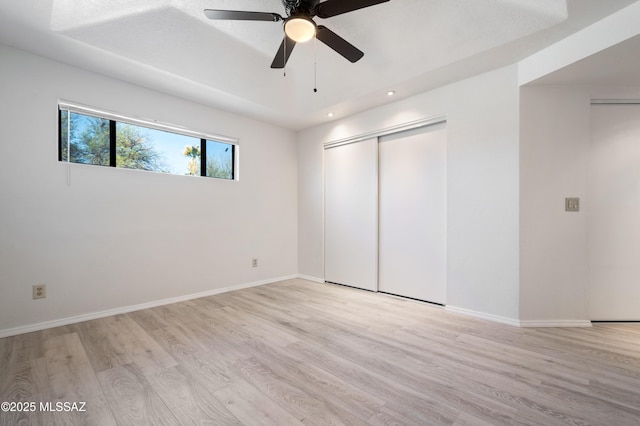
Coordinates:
<point>572,204</point>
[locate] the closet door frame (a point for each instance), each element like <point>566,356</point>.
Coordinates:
<point>361,138</point>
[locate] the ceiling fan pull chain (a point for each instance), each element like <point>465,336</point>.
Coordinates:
<point>315,65</point>
<point>284,52</point>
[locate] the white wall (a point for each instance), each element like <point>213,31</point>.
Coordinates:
<point>482,180</point>
<point>115,237</point>
<point>554,148</point>
<point>554,164</point>
<point>554,139</point>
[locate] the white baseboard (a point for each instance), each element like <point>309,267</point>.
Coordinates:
<point>518,323</point>
<point>482,315</point>
<point>310,278</point>
<point>555,323</point>
<point>132,308</point>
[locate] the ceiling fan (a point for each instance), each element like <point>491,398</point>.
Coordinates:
<point>300,27</point>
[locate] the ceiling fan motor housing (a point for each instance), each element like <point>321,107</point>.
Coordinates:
<point>300,7</point>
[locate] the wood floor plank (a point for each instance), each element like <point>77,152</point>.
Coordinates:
<point>73,380</point>
<point>253,407</point>
<point>419,406</point>
<point>212,369</point>
<point>283,310</point>
<point>626,393</point>
<point>218,324</point>
<point>26,382</point>
<point>26,347</point>
<point>306,407</point>
<point>132,398</point>
<point>190,402</point>
<point>515,362</point>
<point>386,417</point>
<point>616,358</point>
<point>5,349</point>
<point>149,319</point>
<point>446,355</point>
<point>415,373</point>
<point>249,324</point>
<point>593,337</point>
<point>298,352</point>
<point>177,341</point>
<point>138,345</point>
<point>176,314</point>
<point>467,420</point>
<point>103,349</point>
<point>316,381</point>
<point>211,302</point>
<point>590,407</point>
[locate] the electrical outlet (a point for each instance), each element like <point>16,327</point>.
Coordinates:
<point>254,262</point>
<point>39,291</point>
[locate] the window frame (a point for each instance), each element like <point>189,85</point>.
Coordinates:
<point>115,118</point>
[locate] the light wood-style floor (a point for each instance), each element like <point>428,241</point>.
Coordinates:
<point>300,352</point>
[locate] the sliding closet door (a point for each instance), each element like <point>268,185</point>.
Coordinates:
<point>351,214</point>
<point>413,214</point>
<point>613,215</point>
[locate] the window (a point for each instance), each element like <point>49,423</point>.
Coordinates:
<point>219,162</point>
<point>104,139</point>
<point>86,137</point>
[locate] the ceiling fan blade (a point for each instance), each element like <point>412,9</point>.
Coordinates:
<point>337,43</point>
<point>239,15</point>
<point>286,47</point>
<point>331,8</point>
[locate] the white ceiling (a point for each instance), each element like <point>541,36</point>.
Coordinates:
<point>410,46</point>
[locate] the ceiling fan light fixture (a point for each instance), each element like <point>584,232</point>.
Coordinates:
<point>300,29</point>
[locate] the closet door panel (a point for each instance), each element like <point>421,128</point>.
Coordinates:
<point>613,213</point>
<point>413,214</point>
<point>351,214</point>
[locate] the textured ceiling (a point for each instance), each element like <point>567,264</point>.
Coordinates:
<point>410,46</point>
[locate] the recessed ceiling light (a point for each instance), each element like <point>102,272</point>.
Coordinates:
<point>391,93</point>
<point>330,114</point>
